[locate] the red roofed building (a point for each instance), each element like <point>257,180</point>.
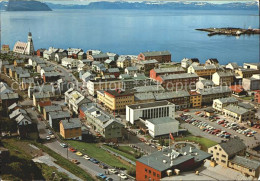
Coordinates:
<point>257,96</point>
<point>42,104</point>
<point>238,90</point>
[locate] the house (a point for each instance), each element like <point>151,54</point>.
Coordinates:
<point>40,96</point>
<point>111,71</point>
<point>8,99</point>
<point>257,96</point>
<point>113,56</point>
<point>99,67</point>
<point>205,71</point>
<point>74,53</point>
<point>180,98</point>
<point>245,166</point>
<point>219,104</point>
<point>149,88</point>
<point>255,66</point>
<point>50,53</point>
<point>87,76</point>
<point>51,108</point>
<point>94,85</point>
<point>24,48</point>
<point>39,52</point>
<point>19,63</point>
<point>146,66</point>
<point>40,67</point>
<point>252,83</point>
<point>43,104</point>
<point>14,106</point>
<point>232,66</point>
<point>16,113</point>
<point>160,56</point>
<point>162,126</point>
<point>82,67</point>
<point>108,127</point>
<point>26,128</point>
<point>225,151</point>
<point>131,70</point>
<point>161,164</point>
<point>82,55</point>
<point>71,129</point>
<point>69,62</point>
<point>130,82</point>
<point>154,73</point>
<point>74,100</point>
<point>5,89</point>
<point>209,94</point>
<point>247,73</point>
<point>5,48</point>
<point>117,100</point>
<point>123,61</point>
<point>186,62</point>
<point>223,78</point>
<point>151,110</point>
<point>93,52</point>
<point>46,68</point>
<point>27,82</point>
<point>51,76</point>
<point>212,61</point>
<point>204,83</point>
<point>48,89</point>
<point>56,116</point>
<point>60,54</point>
<point>238,90</point>
<point>20,74</point>
<point>172,82</point>
<point>110,63</point>
<point>98,57</point>
<point>238,114</point>
<point>34,62</point>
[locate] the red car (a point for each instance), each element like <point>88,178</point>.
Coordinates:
<point>186,110</point>
<point>72,149</point>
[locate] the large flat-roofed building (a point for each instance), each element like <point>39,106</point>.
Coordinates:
<point>183,81</point>
<point>162,126</point>
<point>95,85</point>
<point>150,110</point>
<point>160,56</point>
<point>154,73</point>
<point>163,163</point>
<point>223,78</point>
<point>202,71</point>
<point>116,100</point>
<point>247,73</point>
<point>238,113</point>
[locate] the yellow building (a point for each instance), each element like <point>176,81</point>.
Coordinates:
<point>246,73</point>
<point>225,151</point>
<point>123,62</point>
<point>195,99</point>
<point>5,48</point>
<point>203,71</point>
<point>101,97</point>
<point>95,85</point>
<point>71,129</point>
<point>116,100</point>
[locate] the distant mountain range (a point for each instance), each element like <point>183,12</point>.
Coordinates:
<point>31,5</point>
<point>24,5</point>
<point>160,5</point>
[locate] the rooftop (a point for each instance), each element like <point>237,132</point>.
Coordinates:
<point>59,114</point>
<point>149,88</point>
<point>156,53</point>
<point>169,70</point>
<point>233,146</point>
<point>71,123</point>
<point>150,105</point>
<point>246,162</point>
<point>227,100</point>
<point>236,109</point>
<point>162,120</point>
<point>52,108</point>
<point>214,90</point>
<point>179,76</point>
<point>119,93</point>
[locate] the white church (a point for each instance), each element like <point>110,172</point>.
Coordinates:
<point>25,48</point>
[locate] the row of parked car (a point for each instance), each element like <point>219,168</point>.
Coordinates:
<point>205,127</point>
<point>104,177</point>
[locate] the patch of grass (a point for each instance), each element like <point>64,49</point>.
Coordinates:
<point>123,153</point>
<point>21,167</point>
<point>93,150</point>
<point>204,142</point>
<point>247,98</point>
<point>66,164</point>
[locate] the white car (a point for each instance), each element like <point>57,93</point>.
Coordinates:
<point>52,136</point>
<point>48,138</point>
<point>86,157</point>
<point>112,170</point>
<point>122,176</point>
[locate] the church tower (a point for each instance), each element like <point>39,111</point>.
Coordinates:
<point>29,49</point>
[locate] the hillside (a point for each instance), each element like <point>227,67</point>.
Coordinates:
<point>26,5</point>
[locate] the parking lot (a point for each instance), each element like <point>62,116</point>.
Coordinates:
<point>218,128</point>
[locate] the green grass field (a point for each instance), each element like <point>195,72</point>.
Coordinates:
<point>93,150</point>
<point>204,142</point>
<point>126,153</point>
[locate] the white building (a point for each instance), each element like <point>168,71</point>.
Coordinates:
<point>162,126</point>
<point>219,104</point>
<point>157,109</point>
<point>50,54</point>
<point>70,62</point>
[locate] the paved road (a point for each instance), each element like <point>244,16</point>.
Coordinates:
<point>54,145</point>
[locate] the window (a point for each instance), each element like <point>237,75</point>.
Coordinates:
<point>217,153</point>
<point>217,159</point>
<point>211,151</point>
<point>145,176</point>
<point>154,174</point>
<point>145,169</point>
<point>158,175</point>
<point>150,171</point>
<point>250,170</point>
<point>224,156</point>
<point>223,161</point>
<point>220,149</point>
<point>215,147</point>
